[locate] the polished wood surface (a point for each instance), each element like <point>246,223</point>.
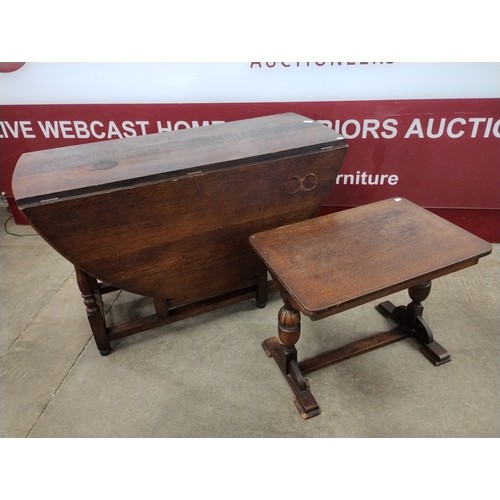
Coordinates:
<point>168,216</point>
<point>184,236</point>
<point>64,172</point>
<point>333,263</point>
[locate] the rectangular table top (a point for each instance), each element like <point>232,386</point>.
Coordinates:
<point>337,261</point>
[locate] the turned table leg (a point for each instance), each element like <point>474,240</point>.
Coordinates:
<point>283,351</point>
<point>95,314</point>
<point>410,319</point>
<point>262,289</point>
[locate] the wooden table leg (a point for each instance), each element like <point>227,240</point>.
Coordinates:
<point>284,353</point>
<point>262,289</point>
<point>95,314</point>
<point>410,319</point>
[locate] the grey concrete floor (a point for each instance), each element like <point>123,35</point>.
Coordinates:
<point>209,377</point>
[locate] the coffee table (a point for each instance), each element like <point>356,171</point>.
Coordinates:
<point>333,263</point>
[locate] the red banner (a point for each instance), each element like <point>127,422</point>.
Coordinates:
<point>443,154</point>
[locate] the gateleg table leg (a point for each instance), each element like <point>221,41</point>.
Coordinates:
<point>262,289</point>
<point>95,314</point>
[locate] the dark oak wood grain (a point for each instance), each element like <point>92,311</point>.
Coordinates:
<point>333,263</point>
<point>168,216</point>
<point>62,172</point>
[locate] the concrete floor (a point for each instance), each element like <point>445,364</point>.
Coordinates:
<point>209,377</point>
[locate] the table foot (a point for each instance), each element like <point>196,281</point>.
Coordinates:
<point>307,406</point>
<point>435,353</point>
<point>304,400</point>
<point>410,320</point>
<point>267,345</point>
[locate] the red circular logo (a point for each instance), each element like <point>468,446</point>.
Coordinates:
<point>9,67</point>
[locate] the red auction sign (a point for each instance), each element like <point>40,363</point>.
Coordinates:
<point>441,153</point>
